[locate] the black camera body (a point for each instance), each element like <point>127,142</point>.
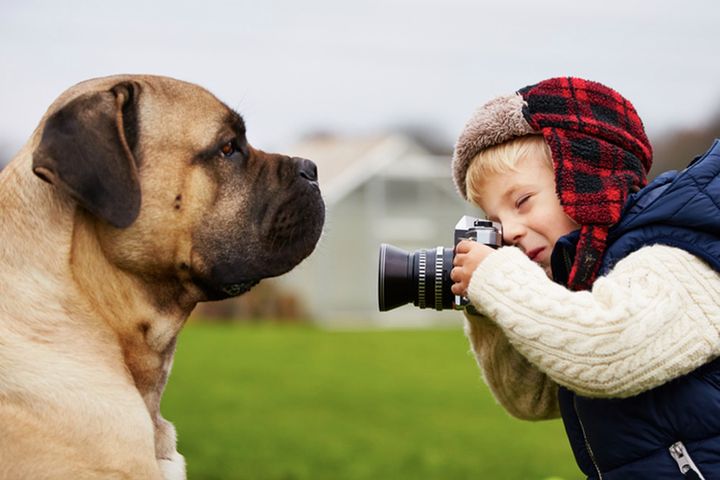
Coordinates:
<point>423,276</point>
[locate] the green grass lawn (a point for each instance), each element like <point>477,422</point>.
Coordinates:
<point>292,403</point>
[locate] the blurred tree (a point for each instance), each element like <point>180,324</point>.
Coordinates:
<point>678,148</point>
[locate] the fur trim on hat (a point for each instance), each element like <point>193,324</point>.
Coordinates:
<point>498,121</point>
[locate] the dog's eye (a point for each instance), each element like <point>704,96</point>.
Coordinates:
<point>228,150</point>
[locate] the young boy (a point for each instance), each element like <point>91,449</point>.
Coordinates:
<point>604,307</point>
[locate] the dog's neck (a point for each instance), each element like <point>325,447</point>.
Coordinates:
<point>145,314</point>
<point>128,303</point>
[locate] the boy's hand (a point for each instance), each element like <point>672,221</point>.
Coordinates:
<point>468,255</point>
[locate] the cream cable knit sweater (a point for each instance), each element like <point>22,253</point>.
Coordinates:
<point>654,317</point>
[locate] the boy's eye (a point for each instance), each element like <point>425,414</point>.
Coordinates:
<point>521,200</point>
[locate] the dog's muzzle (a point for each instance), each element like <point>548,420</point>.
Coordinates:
<point>284,225</point>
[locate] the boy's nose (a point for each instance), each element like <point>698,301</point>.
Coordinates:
<point>512,232</point>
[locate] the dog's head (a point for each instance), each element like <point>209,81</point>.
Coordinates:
<point>164,171</point>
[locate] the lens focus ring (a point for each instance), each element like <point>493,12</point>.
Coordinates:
<point>438,278</point>
<point>421,278</point>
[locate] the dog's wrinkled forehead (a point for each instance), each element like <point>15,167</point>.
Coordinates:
<point>189,115</point>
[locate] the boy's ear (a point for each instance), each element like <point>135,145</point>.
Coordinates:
<point>86,150</point>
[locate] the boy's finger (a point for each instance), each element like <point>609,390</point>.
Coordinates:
<point>456,274</point>
<point>463,246</point>
<point>459,259</point>
<point>457,289</point>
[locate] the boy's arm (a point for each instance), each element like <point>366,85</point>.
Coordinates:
<point>653,318</point>
<point>518,386</point>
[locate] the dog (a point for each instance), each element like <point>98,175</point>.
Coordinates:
<point>135,198</point>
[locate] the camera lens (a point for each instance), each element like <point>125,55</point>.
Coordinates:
<point>421,277</point>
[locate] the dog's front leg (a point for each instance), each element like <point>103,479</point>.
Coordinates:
<point>171,463</point>
<point>173,468</point>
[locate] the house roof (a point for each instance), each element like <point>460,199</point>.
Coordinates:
<point>344,163</point>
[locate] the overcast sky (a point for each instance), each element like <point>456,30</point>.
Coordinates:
<point>295,66</point>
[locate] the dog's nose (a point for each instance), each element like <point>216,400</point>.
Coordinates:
<point>307,169</point>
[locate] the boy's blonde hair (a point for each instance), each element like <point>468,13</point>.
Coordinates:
<point>503,158</point>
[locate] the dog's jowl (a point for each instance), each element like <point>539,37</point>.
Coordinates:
<point>135,198</point>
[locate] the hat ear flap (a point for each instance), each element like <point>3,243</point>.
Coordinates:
<point>588,257</point>
<point>86,150</point>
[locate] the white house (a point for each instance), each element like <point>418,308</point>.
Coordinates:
<point>378,189</point>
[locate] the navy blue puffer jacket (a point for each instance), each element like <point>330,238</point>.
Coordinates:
<point>673,428</point>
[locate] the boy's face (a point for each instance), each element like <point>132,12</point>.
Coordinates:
<point>526,204</point>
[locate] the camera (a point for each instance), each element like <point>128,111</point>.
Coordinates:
<point>423,276</point>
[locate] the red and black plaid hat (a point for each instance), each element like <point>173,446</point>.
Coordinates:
<point>599,150</point>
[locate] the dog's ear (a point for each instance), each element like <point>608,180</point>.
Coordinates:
<point>87,149</point>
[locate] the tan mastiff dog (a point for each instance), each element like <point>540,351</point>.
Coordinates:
<point>135,198</point>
